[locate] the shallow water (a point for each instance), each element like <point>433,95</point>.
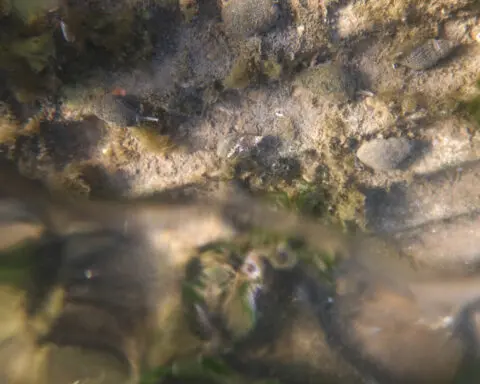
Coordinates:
<point>160,243</point>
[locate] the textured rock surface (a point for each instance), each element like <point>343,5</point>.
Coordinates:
<point>385,154</point>
<point>244,18</point>
<point>313,84</point>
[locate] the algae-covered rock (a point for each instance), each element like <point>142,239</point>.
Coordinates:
<point>243,18</point>
<point>32,10</point>
<point>327,81</point>
<point>37,50</point>
<point>243,72</point>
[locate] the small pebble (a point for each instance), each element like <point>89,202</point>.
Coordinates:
<point>385,154</point>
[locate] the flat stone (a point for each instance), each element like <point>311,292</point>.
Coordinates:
<point>385,154</point>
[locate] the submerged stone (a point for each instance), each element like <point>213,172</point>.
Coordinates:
<point>385,154</point>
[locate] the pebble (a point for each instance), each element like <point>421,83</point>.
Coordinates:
<point>385,154</point>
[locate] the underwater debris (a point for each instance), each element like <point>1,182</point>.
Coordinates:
<point>426,55</point>
<point>66,32</point>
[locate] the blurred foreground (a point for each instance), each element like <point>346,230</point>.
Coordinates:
<point>217,292</point>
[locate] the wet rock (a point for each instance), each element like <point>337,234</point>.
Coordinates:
<point>436,196</point>
<point>450,144</point>
<point>448,245</point>
<point>427,54</point>
<point>385,154</point>
<point>244,18</point>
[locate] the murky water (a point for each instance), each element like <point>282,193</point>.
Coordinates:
<point>241,191</point>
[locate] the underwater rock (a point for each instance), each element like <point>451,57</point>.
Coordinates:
<point>328,81</point>
<point>37,51</point>
<point>385,154</point>
<point>244,18</point>
<point>445,194</point>
<point>427,54</point>
<point>73,142</point>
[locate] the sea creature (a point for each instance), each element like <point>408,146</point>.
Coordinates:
<point>222,293</point>
<point>427,54</point>
<point>120,109</point>
<point>283,256</point>
<point>240,306</point>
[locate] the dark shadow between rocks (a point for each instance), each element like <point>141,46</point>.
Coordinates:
<point>468,331</point>
<point>419,150</point>
<point>103,184</point>
<point>72,142</point>
<point>405,203</point>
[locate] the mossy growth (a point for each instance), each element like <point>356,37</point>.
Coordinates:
<point>271,69</point>
<point>9,126</point>
<point>471,107</point>
<point>242,74</point>
<point>70,181</point>
<point>36,51</point>
<point>327,81</point>
<point>153,141</point>
<point>305,198</point>
<point>30,11</point>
